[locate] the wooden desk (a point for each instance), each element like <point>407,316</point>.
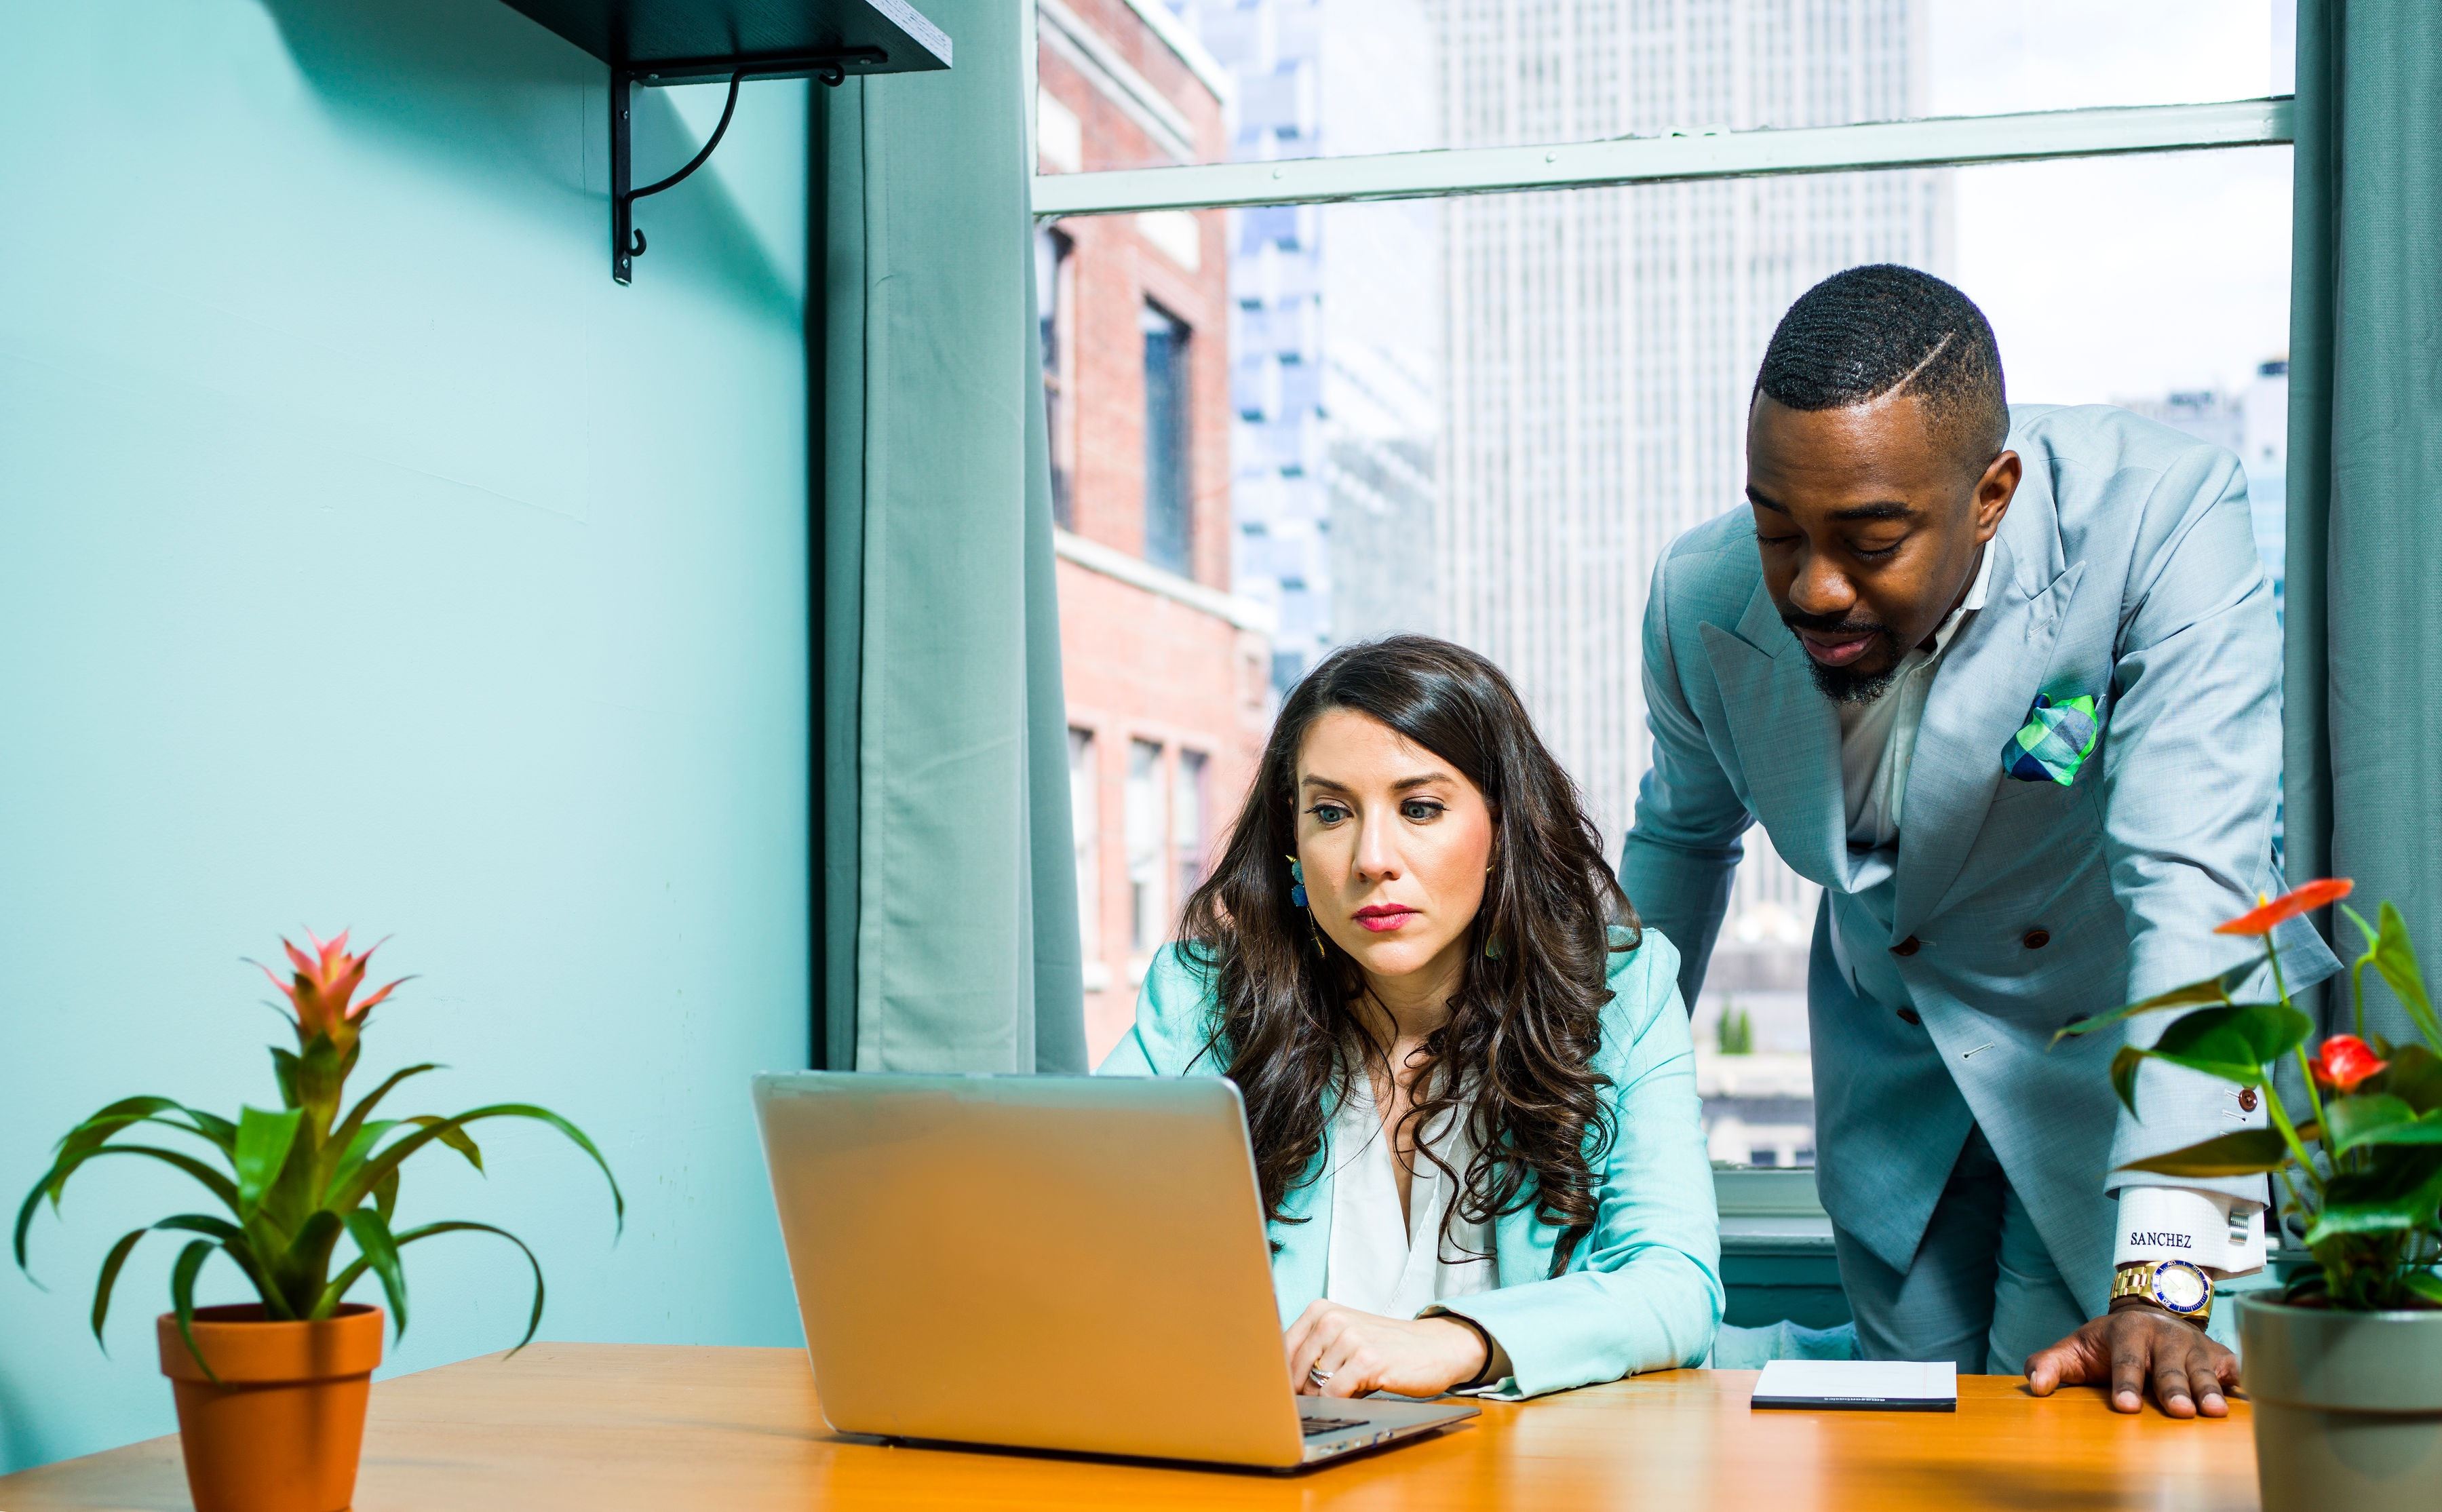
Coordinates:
<point>608,1428</point>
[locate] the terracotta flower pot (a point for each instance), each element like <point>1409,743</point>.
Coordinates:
<point>281,1428</point>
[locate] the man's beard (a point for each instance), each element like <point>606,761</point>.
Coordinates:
<point>1841,684</point>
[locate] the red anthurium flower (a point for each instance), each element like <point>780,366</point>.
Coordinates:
<point>2261,919</point>
<point>325,985</point>
<point>2343,1061</point>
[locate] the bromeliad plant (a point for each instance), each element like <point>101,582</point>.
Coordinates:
<point>294,1181</point>
<point>2369,1152</point>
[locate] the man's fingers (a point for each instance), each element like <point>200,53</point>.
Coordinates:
<point>2044,1370</point>
<point>2129,1359</point>
<point>2204,1377</point>
<point>2171,1381</point>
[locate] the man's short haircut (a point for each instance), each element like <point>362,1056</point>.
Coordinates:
<point>1859,335</point>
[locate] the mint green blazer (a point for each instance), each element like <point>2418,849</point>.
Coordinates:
<point>1643,1291</point>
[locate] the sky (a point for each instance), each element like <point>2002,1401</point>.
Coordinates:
<point>2130,277</point>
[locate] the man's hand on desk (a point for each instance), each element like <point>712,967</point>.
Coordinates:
<point>2135,1345</point>
<point>1336,1351</point>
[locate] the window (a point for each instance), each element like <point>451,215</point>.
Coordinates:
<point>1169,520</point>
<point>1147,923</point>
<point>1190,827</point>
<point>1477,394</point>
<point>1084,806</point>
<point>1054,292</point>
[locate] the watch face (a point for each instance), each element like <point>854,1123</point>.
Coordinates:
<point>2180,1286</point>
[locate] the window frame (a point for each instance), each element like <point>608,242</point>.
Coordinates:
<point>1945,142</point>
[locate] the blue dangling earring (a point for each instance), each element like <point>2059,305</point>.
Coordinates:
<point>1297,898</point>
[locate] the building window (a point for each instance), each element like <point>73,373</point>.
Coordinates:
<point>1168,499</point>
<point>1055,276</point>
<point>1191,832</point>
<point>1147,920</point>
<point>1084,805</point>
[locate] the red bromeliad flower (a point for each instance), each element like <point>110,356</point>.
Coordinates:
<point>2343,1061</point>
<point>325,983</point>
<point>2261,918</point>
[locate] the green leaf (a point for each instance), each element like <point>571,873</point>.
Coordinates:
<point>228,1233</point>
<point>381,1166</point>
<point>2124,1066</point>
<point>111,1119</point>
<point>385,1197</point>
<point>2349,1121</point>
<point>264,1140</point>
<point>359,1150</point>
<point>56,1179</point>
<point>380,1250</point>
<point>2239,1153</point>
<point>345,1135</point>
<point>2414,1076</point>
<point>308,1259</point>
<point>2398,1197</point>
<point>284,1066</point>
<point>457,1139</point>
<point>2249,1034</point>
<point>2425,1284</point>
<point>2212,989</point>
<point>2367,1217</point>
<point>533,1321</point>
<point>2395,959</point>
<point>2427,1130</point>
<point>110,1264</point>
<point>234,1244</point>
<point>182,1298</point>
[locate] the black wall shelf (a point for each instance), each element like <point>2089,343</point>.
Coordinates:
<point>653,43</point>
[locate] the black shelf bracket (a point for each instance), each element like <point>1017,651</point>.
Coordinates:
<point>626,241</point>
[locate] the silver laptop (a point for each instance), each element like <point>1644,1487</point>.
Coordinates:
<point>1048,1263</point>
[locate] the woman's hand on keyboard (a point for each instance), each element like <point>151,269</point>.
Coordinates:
<point>1336,1351</point>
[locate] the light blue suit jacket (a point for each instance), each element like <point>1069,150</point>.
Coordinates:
<point>2125,569</point>
<point>1643,1291</point>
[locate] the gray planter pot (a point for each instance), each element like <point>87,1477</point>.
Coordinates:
<point>2347,1406</point>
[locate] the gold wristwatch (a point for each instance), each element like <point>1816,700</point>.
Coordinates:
<point>2176,1286</point>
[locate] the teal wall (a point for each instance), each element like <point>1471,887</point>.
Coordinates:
<point>366,557</point>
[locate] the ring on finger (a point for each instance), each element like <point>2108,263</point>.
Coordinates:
<point>1316,1374</point>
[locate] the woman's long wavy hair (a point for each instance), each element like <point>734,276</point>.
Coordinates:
<point>1525,1020</point>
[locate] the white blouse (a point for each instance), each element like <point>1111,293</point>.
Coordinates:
<point>1377,1261</point>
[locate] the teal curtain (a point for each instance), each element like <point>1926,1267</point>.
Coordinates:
<point>2365,616</point>
<point>950,907</point>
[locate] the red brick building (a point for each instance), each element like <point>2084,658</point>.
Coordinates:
<point>1167,672</point>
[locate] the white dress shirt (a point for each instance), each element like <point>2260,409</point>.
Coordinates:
<point>1380,1262</point>
<point>2220,1234</point>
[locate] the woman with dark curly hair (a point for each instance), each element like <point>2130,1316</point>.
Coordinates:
<point>1466,1070</point>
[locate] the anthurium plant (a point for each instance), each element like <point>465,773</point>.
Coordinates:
<point>2363,1165</point>
<point>290,1184</point>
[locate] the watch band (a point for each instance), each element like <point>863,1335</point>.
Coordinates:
<point>2178,1288</point>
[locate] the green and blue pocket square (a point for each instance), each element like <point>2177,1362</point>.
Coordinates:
<point>2054,741</point>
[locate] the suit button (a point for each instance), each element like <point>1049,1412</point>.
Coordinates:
<point>1905,947</point>
<point>1910,1015</point>
<point>2246,1100</point>
<point>2037,938</point>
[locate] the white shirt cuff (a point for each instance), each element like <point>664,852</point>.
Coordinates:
<point>2221,1234</point>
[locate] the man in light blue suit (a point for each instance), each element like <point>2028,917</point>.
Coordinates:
<point>2006,683</point>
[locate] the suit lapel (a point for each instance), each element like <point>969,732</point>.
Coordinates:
<point>1980,696</point>
<point>1787,736</point>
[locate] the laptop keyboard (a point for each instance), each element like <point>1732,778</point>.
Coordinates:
<point>1316,1425</point>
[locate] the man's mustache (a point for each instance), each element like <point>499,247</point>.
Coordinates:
<point>1829,623</point>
